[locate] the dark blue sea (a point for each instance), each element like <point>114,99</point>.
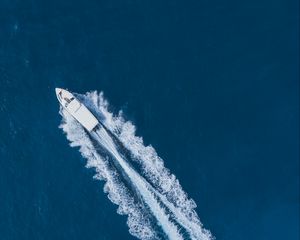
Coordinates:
<point>213,86</point>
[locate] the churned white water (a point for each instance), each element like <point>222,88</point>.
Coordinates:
<point>173,212</point>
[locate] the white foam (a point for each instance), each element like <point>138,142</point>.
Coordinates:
<point>139,226</point>
<point>164,184</point>
<point>163,219</point>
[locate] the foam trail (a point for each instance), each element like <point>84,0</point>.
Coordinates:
<point>159,189</point>
<point>168,227</point>
<point>147,191</point>
<point>138,223</point>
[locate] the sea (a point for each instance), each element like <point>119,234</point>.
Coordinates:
<point>211,88</point>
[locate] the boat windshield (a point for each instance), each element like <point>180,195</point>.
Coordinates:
<point>68,100</point>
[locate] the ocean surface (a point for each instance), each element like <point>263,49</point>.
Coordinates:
<point>213,87</point>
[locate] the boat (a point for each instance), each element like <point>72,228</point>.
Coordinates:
<point>77,109</point>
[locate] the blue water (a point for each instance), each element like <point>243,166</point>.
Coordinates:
<point>213,86</point>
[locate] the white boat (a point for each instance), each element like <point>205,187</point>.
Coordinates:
<point>76,109</point>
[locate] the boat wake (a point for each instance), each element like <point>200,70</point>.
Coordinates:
<point>135,177</point>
